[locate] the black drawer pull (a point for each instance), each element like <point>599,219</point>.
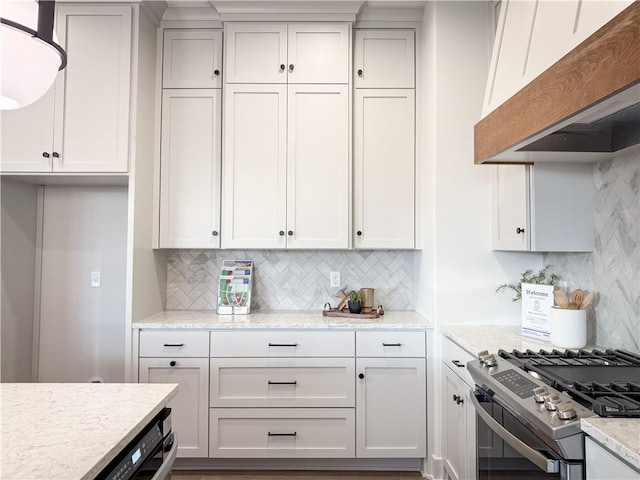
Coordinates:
<point>172,363</point>
<point>282,434</point>
<point>457,363</point>
<point>391,344</point>
<point>283,344</point>
<point>174,344</point>
<point>295,382</point>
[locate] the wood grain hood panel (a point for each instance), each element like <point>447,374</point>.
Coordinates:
<point>554,116</point>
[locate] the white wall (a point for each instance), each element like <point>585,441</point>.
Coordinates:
<point>456,273</point>
<point>17,266</point>
<point>82,329</point>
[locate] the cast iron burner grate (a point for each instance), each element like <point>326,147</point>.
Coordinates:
<point>607,382</point>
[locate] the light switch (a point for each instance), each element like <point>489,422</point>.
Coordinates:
<point>95,279</point>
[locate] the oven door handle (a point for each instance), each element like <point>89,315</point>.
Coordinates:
<point>165,469</point>
<point>543,463</point>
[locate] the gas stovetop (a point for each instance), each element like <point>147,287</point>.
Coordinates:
<point>607,382</point>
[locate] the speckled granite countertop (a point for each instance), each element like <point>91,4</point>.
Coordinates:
<point>620,435</point>
<point>71,431</point>
<point>405,320</point>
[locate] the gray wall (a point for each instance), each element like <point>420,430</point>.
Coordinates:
<point>17,266</point>
<point>613,270</point>
<point>291,280</point>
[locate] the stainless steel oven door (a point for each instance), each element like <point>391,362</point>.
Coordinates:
<point>507,449</point>
<point>159,466</point>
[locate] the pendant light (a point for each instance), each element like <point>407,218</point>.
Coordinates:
<point>30,56</point>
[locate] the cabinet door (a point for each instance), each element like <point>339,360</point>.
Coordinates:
<point>510,208</point>
<point>317,167</point>
<point>385,427</point>
<point>603,465</point>
<point>192,59</point>
<point>455,426</point>
<point>254,170</point>
<point>190,169</point>
<point>318,53</point>
<point>27,136</point>
<point>189,408</point>
<point>255,53</point>
<point>384,168</point>
<point>92,93</point>
<point>384,59</point>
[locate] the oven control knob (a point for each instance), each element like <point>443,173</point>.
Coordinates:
<point>539,394</point>
<point>482,354</point>
<point>490,360</point>
<point>566,411</point>
<point>551,401</point>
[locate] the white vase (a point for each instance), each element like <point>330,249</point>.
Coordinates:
<point>568,328</point>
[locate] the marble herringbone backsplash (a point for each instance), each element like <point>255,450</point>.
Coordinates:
<point>291,280</point>
<point>613,269</point>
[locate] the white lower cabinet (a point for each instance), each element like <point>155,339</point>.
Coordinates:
<point>282,433</point>
<point>189,408</point>
<point>391,401</point>
<point>601,464</point>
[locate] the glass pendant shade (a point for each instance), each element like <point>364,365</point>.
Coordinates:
<point>29,63</point>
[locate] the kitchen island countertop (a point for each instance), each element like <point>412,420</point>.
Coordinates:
<point>620,435</point>
<point>72,431</point>
<point>193,319</point>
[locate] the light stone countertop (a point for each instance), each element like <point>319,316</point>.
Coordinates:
<point>620,435</point>
<point>402,320</point>
<point>67,431</point>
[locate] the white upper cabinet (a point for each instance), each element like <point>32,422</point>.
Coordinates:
<point>384,168</point>
<point>82,124</point>
<point>547,207</point>
<point>192,59</point>
<point>534,34</point>
<point>280,53</point>
<point>190,168</point>
<point>384,59</point>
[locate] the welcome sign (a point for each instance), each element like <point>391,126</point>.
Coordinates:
<point>537,301</point>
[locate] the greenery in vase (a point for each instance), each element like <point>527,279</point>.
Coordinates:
<point>544,277</point>
<point>354,296</point>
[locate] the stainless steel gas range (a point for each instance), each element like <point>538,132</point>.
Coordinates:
<point>529,405</point>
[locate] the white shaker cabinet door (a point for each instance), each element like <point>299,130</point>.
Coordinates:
<point>387,427</point>
<point>510,222</point>
<point>384,168</point>
<point>91,131</point>
<point>192,59</point>
<point>190,407</point>
<point>255,162</point>
<point>317,168</point>
<point>384,59</point>
<point>190,168</point>
<point>318,53</point>
<point>255,53</point>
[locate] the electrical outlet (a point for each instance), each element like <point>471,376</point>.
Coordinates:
<point>334,277</point>
<point>95,279</point>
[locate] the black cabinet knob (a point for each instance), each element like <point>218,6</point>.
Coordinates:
<point>172,363</point>
<point>290,232</point>
<point>216,72</point>
<point>282,67</point>
<point>455,398</point>
<point>360,72</point>
<point>361,376</point>
<point>359,233</point>
<point>56,154</point>
<point>214,233</point>
<point>291,67</point>
<point>459,400</point>
<point>281,233</point>
<point>45,154</point>
<point>519,230</point>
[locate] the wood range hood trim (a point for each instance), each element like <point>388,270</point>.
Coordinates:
<point>606,64</point>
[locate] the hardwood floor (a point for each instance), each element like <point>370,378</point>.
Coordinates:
<point>279,475</point>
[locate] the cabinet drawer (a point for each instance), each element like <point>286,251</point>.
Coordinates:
<point>174,344</point>
<point>282,344</point>
<point>281,433</point>
<point>282,382</point>
<point>456,358</point>
<point>390,344</point>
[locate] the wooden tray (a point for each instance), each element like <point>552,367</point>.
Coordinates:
<point>334,312</point>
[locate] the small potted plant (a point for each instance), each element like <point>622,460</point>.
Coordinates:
<point>544,277</point>
<point>355,301</point>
